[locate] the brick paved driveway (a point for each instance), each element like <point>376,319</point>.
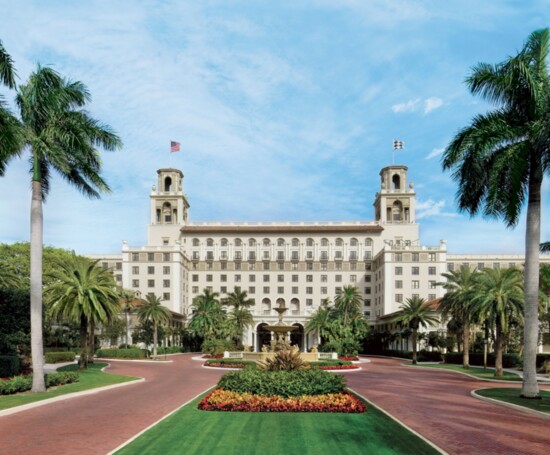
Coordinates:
<point>438,405</point>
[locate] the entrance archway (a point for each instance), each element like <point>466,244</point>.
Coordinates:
<point>263,336</point>
<point>297,336</point>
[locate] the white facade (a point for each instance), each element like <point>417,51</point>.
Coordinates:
<point>298,264</point>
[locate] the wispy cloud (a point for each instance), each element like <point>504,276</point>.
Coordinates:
<point>435,152</point>
<point>429,208</point>
<point>413,105</point>
<point>431,104</point>
<point>408,106</point>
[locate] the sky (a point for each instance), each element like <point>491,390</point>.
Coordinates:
<point>286,111</point>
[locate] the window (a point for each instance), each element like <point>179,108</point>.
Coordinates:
<point>196,242</point>
<point>295,242</point>
<point>368,255</point>
<point>266,265</point>
<point>338,255</point>
<point>251,290</point>
<point>150,283</point>
<point>119,265</point>
<point>252,278</point>
<point>324,278</point>
<point>223,255</point>
<point>431,257</point>
<point>415,296</point>
<point>309,242</point>
<point>399,298</point>
<point>309,255</point>
<point>294,278</point>
<point>368,242</point>
<point>280,290</point>
<point>118,277</point>
<point>368,278</point>
<point>165,283</point>
<point>338,289</point>
<point>165,296</point>
<point>210,288</point>
<point>135,270</point>
<point>309,290</point>
<point>166,270</point>
<point>238,242</point>
<point>309,266</point>
<point>135,283</point>
<point>338,266</point>
<point>209,278</point>
<point>266,278</point>
<point>480,265</point>
<point>135,257</point>
<point>294,256</point>
<point>431,270</point>
<point>415,284</point>
<point>280,278</point>
<point>195,278</point>
<point>238,255</point>
<point>195,255</point>
<point>399,270</point>
<point>223,266</point>
<point>266,289</point>
<point>324,242</point>
<point>324,266</point>
<point>353,242</point>
<point>280,255</point>
<point>309,278</point>
<point>366,302</point>
<point>266,255</point>
<point>237,278</point>
<point>150,270</point>
<point>266,242</point>
<point>368,265</point>
<point>367,290</point>
<point>450,267</point>
<point>223,289</point>
<point>431,296</point>
<point>209,255</point>
<point>209,242</point>
<point>511,265</point>
<point>496,265</point>
<point>353,266</point>
<point>416,270</point>
<point>324,290</point>
<point>294,266</point>
<point>366,314</point>
<point>280,266</point>
<point>223,278</point>
<point>150,257</point>
<point>398,257</point>
<point>280,242</point>
<point>431,284</point>
<point>398,284</point>
<point>415,257</point>
<point>251,242</point>
<point>309,302</point>
<point>353,255</point>
<point>251,255</point>
<point>295,289</point>
<point>166,257</point>
<point>223,242</point>
<point>338,278</point>
<point>353,278</point>
<point>195,289</point>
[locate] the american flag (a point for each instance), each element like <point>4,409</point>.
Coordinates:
<point>398,145</point>
<point>174,146</point>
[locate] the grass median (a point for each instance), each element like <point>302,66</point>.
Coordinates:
<point>477,372</point>
<point>91,378</point>
<point>192,431</point>
<point>510,395</point>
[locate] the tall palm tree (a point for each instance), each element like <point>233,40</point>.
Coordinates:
<point>128,301</point>
<point>153,310</point>
<point>82,292</point>
<point>8,277</point>
<point>501,158</point>
<point>320,321</point>
<point>460,286</point>
<point>413,314</point>
<point>207,314</point>
<point>499,299</point>
<point>348,302</point>
<point>240,315</point>
<point>60,136</point>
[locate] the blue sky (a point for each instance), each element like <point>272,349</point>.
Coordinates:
<point>285,110</point>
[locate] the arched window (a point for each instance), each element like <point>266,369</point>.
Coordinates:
<point>280,242</point>
<point>251,242</point>
<point>167,212</point>
<point>309,242</point>
<point>209,242</point>
<point>324,242</point>
<point>295,242</point>
<point>266,242</point>
<point>223,242</point>
<point>396,182</point>
<point>196,242</point>
<point>368,242</point>
<point>339,242</point>
<point>238,242</point>
<point>397,211</point>
<point>353,242</point>
<point>280,302</point>
<point>168,184</point>
<point>266,305</point>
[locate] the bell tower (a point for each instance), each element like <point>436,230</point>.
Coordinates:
<point>395,203</point>
<point>168,203</point>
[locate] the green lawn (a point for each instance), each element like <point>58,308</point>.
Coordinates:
<point>190,431</point>
<point>512,396</point>
<point>478,372</point>
<point>90,379</point>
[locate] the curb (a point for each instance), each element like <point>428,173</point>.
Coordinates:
<point>505,381</point>
<point>516,407</point>
<point>153,362</point>
<point>427,441</point>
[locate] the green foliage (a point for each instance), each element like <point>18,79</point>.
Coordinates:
<point>24,383</point>
<point>330,363</point>
<point>170,350</point>
<point>509,360</point>
<point>237,362</point>
<point>15,321</point>
<point>284,360</point>
<point>10,365</point>
<point>55,357</point>
<point>122,353</point>
<point>208,315</point>
<point>283,383</point>
<point>214,346</point>
<point>113,330</point>
<point>144,333</point>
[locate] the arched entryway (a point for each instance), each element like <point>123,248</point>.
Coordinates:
<point>263,336</point>
<point>297,336</point>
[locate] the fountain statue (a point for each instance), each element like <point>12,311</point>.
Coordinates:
<point>280,330</point>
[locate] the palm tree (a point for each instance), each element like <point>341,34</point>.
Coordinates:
<point>460,286</point>
<point>8,277</point>
<point>499,299</point>
<point>240,315</point>
<point>153,310</point>
<point>60,136</point>
<point>500,160</point>
<point>348,302</point>
<point>207,314</point>
<point>320,321</point>
<point>413,314</point>
<point>82,292</point>
<point>128,301</point>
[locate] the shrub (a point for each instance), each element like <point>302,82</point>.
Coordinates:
<point>215,346</point>
<point>330,363</point>
<point>345,347</point>
<point>55,357</point>
<point>282,383</point>
<point>287,360</point>
<point>541,358</point>
<point>127,346</point>
<point>169,350</point>
<point>53,349</point>
<point>509,360</point>
<point>230,363</point>
<point>9,366</point>
<point>23,383</point>
<point>122,353</point>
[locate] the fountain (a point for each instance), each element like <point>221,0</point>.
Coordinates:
<point>280,330</point>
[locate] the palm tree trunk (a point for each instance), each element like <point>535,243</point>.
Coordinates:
<point>83,362</point>
<point>530,388</point>
<point>127,327</point>
<point>414,338</point>
<point>498,351</point>
<point>466,344</point>
<point>91,343</point>
<point>37,343</point>
<point>155,338</point>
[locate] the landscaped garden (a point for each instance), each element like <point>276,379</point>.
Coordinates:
<point>511,395</point>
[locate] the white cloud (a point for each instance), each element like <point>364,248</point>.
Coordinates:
<point>435,152</point>
<point>431,104</point>
<point>409,106</point>
<point>430,207</point>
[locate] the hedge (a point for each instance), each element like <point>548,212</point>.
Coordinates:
<point>169,350</point>
<point>54,349</point>
<point>9,366</point>
<point>230,362</point>
<point>24,383</point>
<point>283,383</point>
<point>330,363</point>
<point>55,357</point>
<point>509,360</point>
<point>122,353</point>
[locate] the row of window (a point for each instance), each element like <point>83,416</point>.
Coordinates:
<point>415,257</point>
<point>416,270</point>
<point>338,266</point>
<point>294,290</point>
<point>399,297</point>
<point>281,278</point>
<point>151,270</point>
<point>415,284</point>
<point>118,265</point>
<point>151,283</point>
<point>151,257</point>
<point>281,242</point>
<point>479,266</point>
<point>294,256</point>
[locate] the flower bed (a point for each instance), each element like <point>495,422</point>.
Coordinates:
<point>224,365</point>
<point>336,367</point>
<point>216,356</point>
<point>224,400</point>
<point>350,358</point>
